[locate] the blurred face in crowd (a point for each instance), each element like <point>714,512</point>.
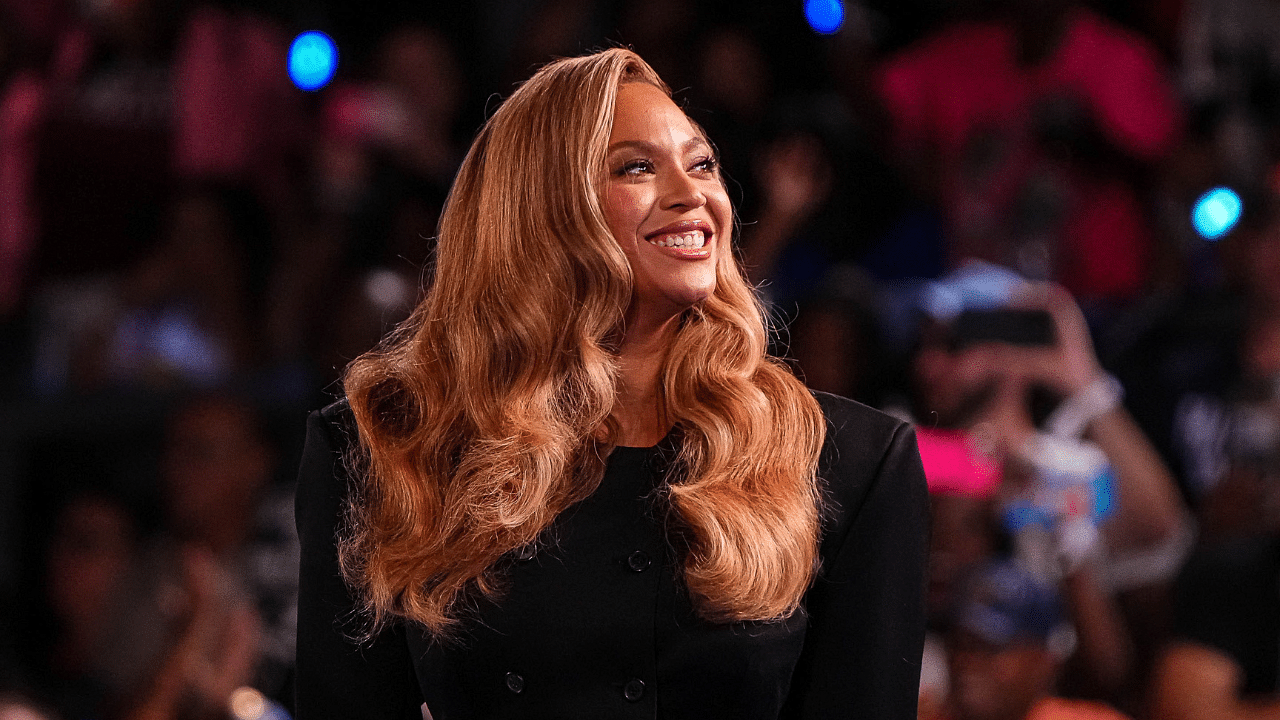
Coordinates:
<point>826,343</point>
<point>216,464</point>
<point>93,547</point>
<point>950,384</point>
<point>664,203</point>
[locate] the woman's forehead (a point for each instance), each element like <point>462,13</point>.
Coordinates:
<point>645,113</point>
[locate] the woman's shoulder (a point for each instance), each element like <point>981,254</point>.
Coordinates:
<point>331,430</point>
<point>323,478</point>
<point>843,414</point>
<point>338,420</point>
<point>860,434</point>
<point>868,455</point>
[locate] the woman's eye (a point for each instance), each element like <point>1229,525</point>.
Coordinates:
<point>635,167</point>
<point>706,165</point>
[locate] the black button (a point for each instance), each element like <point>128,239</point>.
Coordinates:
<point>515,683</point>
<point>525,553</point>
<point>633,690</point>
<point>639,562</point>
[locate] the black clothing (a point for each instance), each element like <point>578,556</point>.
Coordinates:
<point>1181,370</point>
<point>1228,599</point>
<point>596,623</point>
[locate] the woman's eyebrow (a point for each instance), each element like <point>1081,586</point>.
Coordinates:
<point>648,147</point>
<point>641,145</point>
<point>696,142</point>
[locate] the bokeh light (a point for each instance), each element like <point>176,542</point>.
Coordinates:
<point>313,58</point>
<point>1216,212</point>
<point>824,16</point>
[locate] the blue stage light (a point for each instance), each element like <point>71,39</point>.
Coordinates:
<point>824,16</point>
<point>1216,212</point>
<point>313,58</point>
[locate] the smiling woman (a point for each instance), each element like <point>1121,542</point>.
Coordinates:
<point>574,484</point>
<point>664,203</point>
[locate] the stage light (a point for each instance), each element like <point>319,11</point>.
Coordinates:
<point>313,58</point>
<point>824,16</point>
<point>1216,212</point>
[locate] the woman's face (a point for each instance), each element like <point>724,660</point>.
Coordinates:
<point>664,203</point>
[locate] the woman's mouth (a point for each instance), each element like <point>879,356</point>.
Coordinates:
<point>689,240</point>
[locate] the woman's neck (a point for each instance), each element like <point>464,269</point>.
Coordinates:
<point>638,407</point>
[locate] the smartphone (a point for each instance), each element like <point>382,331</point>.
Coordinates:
<point>1007,325</point>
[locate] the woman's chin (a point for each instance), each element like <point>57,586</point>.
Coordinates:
<point>659,311</point>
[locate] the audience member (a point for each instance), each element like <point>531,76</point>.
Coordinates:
<point>1027,129</point>
<point>94,546</point>
<point>836,340</point>
<point>237,120</point>
<point>208,606</point>
<point>1007,641</point>
<point>734,85</point>
<point>965,533</point>
<point>103,161</point>
<point>1099,516</point>
<point>382,166</point>
<point>1224,660</point>
<point>1202,363</point>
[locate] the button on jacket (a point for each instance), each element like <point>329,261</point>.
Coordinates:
<point>595,622</point>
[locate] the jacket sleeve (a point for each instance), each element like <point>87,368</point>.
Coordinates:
<point>862,650</point>
<point>338,676</point>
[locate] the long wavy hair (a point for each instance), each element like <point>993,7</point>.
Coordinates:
<point>487,413</point>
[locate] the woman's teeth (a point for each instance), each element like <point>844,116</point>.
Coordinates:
<point>693,240</point>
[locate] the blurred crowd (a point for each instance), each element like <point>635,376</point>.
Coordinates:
<point>974,214</point>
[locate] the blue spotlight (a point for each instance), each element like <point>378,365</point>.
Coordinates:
<point>1216,212</point>
<point>313,58</point>
<point>824,16</point>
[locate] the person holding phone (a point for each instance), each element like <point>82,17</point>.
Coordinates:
<point>1086,500</point>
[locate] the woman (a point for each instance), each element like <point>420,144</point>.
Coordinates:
<point>579,487</point>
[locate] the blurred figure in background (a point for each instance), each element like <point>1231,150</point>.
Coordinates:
<point>792,245</point>
<point>381,169</point>
<point>178,317</point>
<point>1203,367</point>
<point>204,609</point>
<point>1030,129</point>
<point>1008,639</point>
<point>825,199</point>
<point>735,85</point>
<point>185,316</point>
<point>230,523</point>
<point>103,163</point>
<point>836,340</point>
<point>93,547</point>
<point>1098,517</point>
<point>966,533</point>
<point>1224,660</point>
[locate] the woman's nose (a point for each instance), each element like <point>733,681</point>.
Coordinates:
<point>682,191</point>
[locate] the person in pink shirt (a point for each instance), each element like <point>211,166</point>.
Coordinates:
<point>1030,129</point>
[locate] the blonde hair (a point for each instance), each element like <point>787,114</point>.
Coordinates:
<point>488,413</point>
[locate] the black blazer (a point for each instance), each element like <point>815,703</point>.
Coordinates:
<point>596,624</point>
